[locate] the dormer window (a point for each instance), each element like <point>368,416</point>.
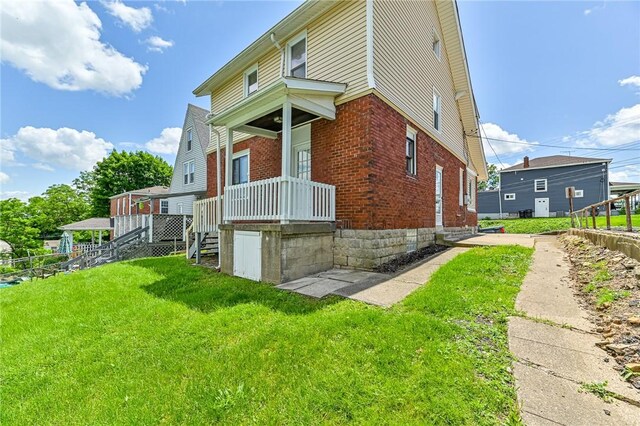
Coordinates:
<point>437,46</point>
<point>189,139</point>
<point>297,57</point>
<point>251,80</point>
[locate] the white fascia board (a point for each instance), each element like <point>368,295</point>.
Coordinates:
<point>300,85</point>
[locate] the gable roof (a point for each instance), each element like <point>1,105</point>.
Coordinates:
<point>556,161</point>
<point>92,224</point>
<point>200,124</point>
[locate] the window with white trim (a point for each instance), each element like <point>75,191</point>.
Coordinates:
<point>189,139</point>
<point>437,110</point>
<point>437,46</point>
<point>540,185</point>
<point>579,193</point>
<point>471,191</point>
<point>251,80</point>
<point>461,188</point>
<point>297,56</point>
<point>189,172</point>
<point>509,197</point>
<point>240,168</point>
<point>410,152</point>
<point>164,206</point>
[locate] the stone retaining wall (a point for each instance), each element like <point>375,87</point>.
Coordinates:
<point>622,242</point>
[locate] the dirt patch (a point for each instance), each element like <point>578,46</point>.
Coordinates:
<point>608,285</point>
<point>409,258</point>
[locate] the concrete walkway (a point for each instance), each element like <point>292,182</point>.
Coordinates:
<point>370,287</point>
<point>524,240</point>
<point>552,361</point>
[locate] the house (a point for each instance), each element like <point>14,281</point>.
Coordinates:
<point>539,185</point>
<point>137,202</point>
<point>353,129</point>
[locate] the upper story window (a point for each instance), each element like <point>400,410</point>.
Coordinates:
<point>189,139</point>
<point>437,110</point>
<point>540,185</point>
<point>251,80</point>
<point>297,56</point>
<point>164,206</point>
<point>437,46</point>
<point>410,151</point>
<point>240,168</point>
<point>189,172</point>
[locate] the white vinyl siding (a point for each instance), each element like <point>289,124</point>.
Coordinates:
<point>410,151</point>
<point>189,139</point>
<point>196,155</point>
<point>181,205</point>
<point>406,70</point>
<point>509,197</point>
<point>540,185</point>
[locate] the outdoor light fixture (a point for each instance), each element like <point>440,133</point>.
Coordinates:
<point>277,119</point>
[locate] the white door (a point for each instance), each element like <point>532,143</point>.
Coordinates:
<point>438,196</point>
<point>301,155</point>
<point>542,207</point>
<point>247,255</point>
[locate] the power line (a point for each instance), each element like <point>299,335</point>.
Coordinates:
<point>554,146</point>
<point>491,146</point>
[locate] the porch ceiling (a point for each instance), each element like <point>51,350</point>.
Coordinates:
<point>259,113</point>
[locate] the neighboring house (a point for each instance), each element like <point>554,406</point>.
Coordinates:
<point>352,125</point>
<point>539,185</point>
<point>139,202</point>
<point>189,180</point>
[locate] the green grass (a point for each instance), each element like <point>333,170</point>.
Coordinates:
<point>606,295</point>
<point>599,389</point>
<point>157,341</point>
<point>540,225</point>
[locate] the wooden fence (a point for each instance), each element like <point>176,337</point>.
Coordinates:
<point>583,214</point>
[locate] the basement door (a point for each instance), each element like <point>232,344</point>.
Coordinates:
<point>247,255</point>
<point>438,196</point>
<point>542,207</point>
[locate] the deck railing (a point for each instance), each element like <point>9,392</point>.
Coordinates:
<point>580,218</point>
<point>281,198</point>
<point>205,215</point>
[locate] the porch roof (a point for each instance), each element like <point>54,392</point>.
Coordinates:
<point>93,224</point>
<point>259,113</point>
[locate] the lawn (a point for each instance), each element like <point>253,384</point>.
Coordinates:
<point>543,224</point>
<point>158,341</point>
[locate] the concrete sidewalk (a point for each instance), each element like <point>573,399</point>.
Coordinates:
<point>524,240</point>
<point>553,360</point>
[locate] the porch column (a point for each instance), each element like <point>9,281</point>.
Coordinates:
<point>228,170</point>
<point>285,200</point>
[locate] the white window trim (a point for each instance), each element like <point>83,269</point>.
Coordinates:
<point>245,77</point>
<point>166,200</point>
<point>575,194</point>
<point>189,172</point>
<point>461,189</point>
<point>437,37</point>
<point>535,185</point>
<point>242,153</point>
<point>510,197</point>
<point>292,42</point>
<point>190,129</point>
<point>471,177</point>
<point>439,128</point>
<point>412,133</point>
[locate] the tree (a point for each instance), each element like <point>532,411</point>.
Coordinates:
<point>122,172</point>
<point>493,181</point>
<point>15,227</point>
<point>57,206</point>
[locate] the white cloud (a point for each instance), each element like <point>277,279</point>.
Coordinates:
<point>21,195</point>
<point>502,141</point>
<point>157,44</point>
<point>629,173</point>
<point>167,142</point>
<point>43,167</point>
<point>4,178</point>
<point>634,80</point>
<point>64,147</point>
<point>620,128</point>
<point>58,43</point>
<point>588,11</point>
<point>7,154</point>
<point>136,19</point>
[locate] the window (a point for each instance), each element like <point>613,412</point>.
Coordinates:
<point>461,188</point>
<point>303,163</point>
<point>189,172</point>
<point>436,45</point>
<point>164,206</point>
<point>579,193</point>
<point>471,190</point>
<point>437,110</point>
<point>509,197</point>
<point>297,56</point>
<point>540,185</point>
<point>410,152</point>
<point>189,139</point>
<point>240,168</point>
<point>251,80</point>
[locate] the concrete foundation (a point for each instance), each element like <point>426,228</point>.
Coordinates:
<point>626,243</point>
<point>289,251</point>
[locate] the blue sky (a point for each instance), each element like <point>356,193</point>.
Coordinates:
<point>559,73</point>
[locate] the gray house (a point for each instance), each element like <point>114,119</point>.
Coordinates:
<point>189,181</point>
<point>539,185</point>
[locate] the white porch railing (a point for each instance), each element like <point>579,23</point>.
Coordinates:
<point>282,198</point>
<point>124,224</point>
<point>205,215</point>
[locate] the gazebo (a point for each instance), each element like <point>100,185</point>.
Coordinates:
<point>94,224</point>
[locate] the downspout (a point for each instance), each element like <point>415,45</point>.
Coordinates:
<point>218,187</point>
<point>277,45</point>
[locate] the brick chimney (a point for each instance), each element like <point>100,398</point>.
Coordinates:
<point>526,163</point>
